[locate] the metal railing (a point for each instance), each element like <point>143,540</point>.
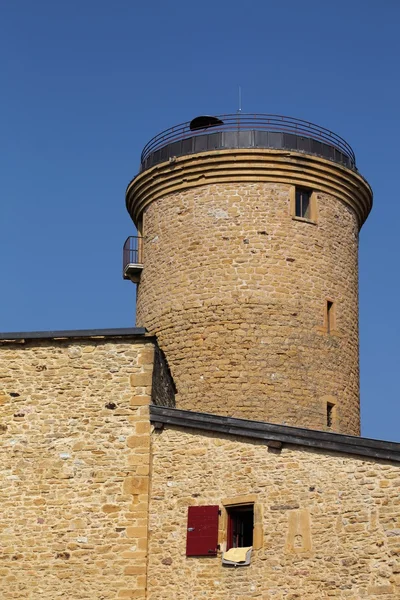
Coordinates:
<point>260,122</point>
<point>132,253</point>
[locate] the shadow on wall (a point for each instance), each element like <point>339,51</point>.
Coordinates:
<point>163,386</point>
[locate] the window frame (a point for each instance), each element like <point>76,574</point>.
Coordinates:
<point>330,410</point>
<point>233,513</point>
<point>312,205</point>
<point>237,502</point>
<point>330,316</point>
<point>330,414</point>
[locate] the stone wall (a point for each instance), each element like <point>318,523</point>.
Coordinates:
<point>330,522</point>
<point>74,433</point>
<point>236,291</point>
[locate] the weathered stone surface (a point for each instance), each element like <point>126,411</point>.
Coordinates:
<point>236,290</point>
<point>68,471</point>
<point>328,529</point>
<point>238,303</point>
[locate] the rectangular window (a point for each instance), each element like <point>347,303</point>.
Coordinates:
<point>240,526</point>
<point>330,316</point>
<point>303,203</point>
<point>329,414</point>
<point>202,531</point>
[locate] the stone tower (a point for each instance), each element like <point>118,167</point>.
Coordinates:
<point>248,267</point>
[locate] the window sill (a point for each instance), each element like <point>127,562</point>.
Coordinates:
<point>303,220</point>
<point>333,333</point>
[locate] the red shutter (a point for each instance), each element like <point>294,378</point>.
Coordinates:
<point>202,531</point>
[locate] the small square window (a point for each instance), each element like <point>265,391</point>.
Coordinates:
<point>240,526</point>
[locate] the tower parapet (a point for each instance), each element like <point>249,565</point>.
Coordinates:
<point>250,281</point>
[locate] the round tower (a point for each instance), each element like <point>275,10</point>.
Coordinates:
<point>249,244</point>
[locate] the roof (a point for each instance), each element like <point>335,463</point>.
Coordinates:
<point>73,333</point>
<point>277,435</point>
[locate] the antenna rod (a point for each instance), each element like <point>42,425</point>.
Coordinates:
<point>240,99</point>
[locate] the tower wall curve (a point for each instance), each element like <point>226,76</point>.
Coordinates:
<point>255,308</point>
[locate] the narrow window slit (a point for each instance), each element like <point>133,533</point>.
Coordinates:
<point>329,316</point>
<point>329,414</point>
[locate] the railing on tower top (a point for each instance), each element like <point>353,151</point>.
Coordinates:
<point>132,254</point>
<point>245,122</point>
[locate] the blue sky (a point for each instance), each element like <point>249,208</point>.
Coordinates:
<point>85,84</point>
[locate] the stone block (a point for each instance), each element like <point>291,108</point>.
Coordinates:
<point>138,441</point>
<point>141,379</point>
<point>136,485</point>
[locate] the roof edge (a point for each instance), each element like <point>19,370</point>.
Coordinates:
<point>284,434</point>
<point>73,333</point>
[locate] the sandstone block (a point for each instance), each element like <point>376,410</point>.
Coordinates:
<point>136,485</point>
<point>141,379</point>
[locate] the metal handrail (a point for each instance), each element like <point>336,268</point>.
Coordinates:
<point>132,252</point>
<point>242,121</point>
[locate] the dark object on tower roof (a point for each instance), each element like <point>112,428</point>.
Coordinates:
<point>203,122</point>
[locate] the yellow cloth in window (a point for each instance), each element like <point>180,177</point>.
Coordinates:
<point>237,554</point>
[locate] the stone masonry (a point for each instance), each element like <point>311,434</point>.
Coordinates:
<point>236,290</point>
<point>74,432</point>
<point>251,311</point>
<point>330,523</point>
<point>236,287</point>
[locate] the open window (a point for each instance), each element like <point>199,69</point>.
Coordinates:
<point>240,526</point>
<point>241,523</point>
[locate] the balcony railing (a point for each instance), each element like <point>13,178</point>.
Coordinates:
<point>248,131</point>
<point>132,262</point>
